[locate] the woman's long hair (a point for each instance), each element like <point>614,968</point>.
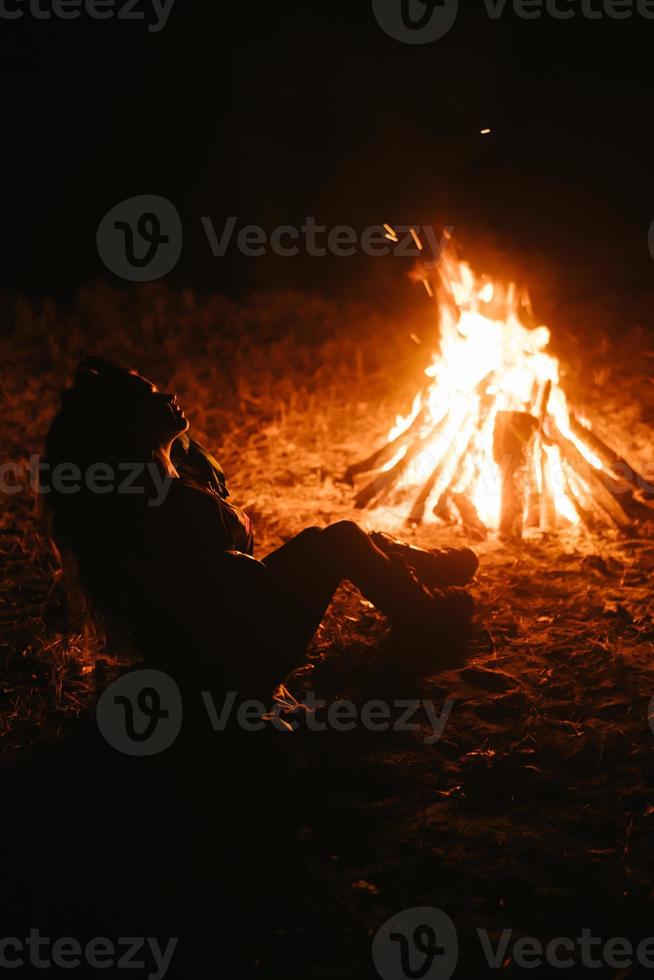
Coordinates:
<point>94,532</point>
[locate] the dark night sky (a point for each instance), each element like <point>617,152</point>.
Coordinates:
<point>272,112</point>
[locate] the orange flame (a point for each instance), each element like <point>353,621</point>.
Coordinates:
<point>492,358</point>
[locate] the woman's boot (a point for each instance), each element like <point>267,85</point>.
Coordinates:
<point>438,567</point>
<point>413,606</point>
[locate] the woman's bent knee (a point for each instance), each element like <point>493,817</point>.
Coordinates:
<point>344,533</point>
<point>343,529</point>
<point>310,534</point>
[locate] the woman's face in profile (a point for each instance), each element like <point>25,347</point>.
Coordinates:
<point>156,411</point>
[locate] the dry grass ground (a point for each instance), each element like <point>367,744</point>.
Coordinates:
<point>534,812</point>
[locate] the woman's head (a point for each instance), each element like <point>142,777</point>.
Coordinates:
<point>117,413</point>
<point>109,443</point>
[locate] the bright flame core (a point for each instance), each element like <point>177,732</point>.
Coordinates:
<point>491,360</point>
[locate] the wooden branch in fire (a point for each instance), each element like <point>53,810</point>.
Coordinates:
<point>520,442</point>
<point>379,487</point>
<point>387,451</point>
<point>513,436</point>
<point>611,502</point>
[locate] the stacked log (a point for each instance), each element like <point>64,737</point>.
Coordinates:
<point>601,487</point>
<point>514,433</point>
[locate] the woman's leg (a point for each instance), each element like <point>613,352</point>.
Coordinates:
<point>308,569</point>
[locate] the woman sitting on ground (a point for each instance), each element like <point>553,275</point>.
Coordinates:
<point>161,553</point>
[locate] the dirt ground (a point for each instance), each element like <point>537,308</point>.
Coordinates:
<point>282,854</point>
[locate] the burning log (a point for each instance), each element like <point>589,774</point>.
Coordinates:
<point>386,452</point>
<point>580,501</point>
<point>533,505</point>
<point>444,509</point>
<point>382,484</point>
<point>461,462</point>
<point>441,504</point>
<point>418,509</point>
<point>378,487</point>
<point>628,481</point>
<point>593,479</point>
<point>514,432</point>
<point>613,462</point>
<point>547,515</point>
<point>469,516</point>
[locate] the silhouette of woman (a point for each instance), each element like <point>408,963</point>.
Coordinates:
<point>142,511</point>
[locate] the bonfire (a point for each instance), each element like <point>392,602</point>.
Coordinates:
<point>492,442</point>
